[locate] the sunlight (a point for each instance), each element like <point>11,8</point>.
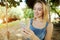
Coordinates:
<point>1,21</point>
<point>58,7</point>
<point>17,0</point>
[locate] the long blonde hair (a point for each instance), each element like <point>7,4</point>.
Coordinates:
<point>45,14</point>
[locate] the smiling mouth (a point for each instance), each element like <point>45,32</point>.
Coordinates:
<point>37,14</point>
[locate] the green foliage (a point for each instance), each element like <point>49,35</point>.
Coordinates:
<point>53,5</point>
<point>11,3</point>
<point>55,2</point>
<point>28,13</point>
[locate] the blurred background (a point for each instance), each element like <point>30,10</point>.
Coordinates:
<point>14,11</point>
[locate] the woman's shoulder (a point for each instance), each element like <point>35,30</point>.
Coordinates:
<point>25,22</point>
<point>50,25</point>
<point>29,21</point>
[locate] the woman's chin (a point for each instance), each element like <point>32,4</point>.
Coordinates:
<point>37,16</point>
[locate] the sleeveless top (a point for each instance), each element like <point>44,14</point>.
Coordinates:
<point>40,33</point>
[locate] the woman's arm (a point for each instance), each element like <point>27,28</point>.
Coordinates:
<point>49,31</point>
<point>34,37</point>
<point>30,32</point>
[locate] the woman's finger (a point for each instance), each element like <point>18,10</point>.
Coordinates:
<point>30,31</point>
<point>26,34</point>
<point>26,31</point>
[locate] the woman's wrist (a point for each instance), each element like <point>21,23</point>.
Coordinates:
<point>34,37</point>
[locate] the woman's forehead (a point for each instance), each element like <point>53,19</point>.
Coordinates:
<point>38,5</point>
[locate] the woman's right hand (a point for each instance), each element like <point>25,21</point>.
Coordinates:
<point>27,33</point>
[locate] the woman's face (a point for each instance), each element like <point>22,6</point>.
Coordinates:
<point>38,10</point>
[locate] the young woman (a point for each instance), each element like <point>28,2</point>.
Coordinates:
<point>39,28</point>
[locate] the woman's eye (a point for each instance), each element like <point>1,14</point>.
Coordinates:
<point>39,9</point>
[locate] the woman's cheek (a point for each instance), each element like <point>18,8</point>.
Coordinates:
<point>40,13</point>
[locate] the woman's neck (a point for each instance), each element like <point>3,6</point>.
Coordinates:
<point>39,19</point>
